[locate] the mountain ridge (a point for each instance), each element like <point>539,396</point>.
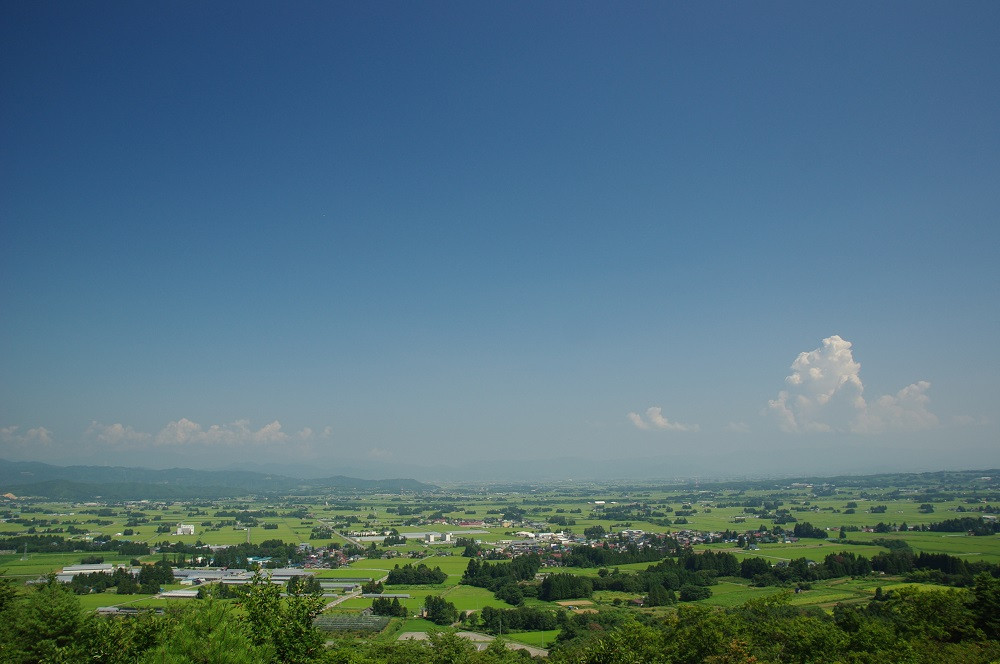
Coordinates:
<point>122,482</point>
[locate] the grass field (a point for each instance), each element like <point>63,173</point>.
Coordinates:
<point>470,598</point>
<point>373,568</point>
<point>541,639</point>
<point>453,566</point>
<point>727,594</point>
<point>356,604</point>
<point>955,544</point>
<point>347,573</point>
<point>419,625</point>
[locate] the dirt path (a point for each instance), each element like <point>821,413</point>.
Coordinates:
<point>481,641</point>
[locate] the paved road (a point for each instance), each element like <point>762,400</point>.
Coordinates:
<point>343,598</point>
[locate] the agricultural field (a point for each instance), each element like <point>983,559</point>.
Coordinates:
<point>755,520</point>
<point>728,594</point>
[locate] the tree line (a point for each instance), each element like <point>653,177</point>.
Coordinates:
<point>415,575</point>
<point>147,582</point>
<point>59,544</point>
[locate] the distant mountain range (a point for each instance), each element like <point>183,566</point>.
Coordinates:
<point>32,478</point>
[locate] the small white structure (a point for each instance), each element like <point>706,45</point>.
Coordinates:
<point>184,529</point>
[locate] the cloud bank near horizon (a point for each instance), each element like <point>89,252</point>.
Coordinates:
<point>823,393</point>
<point>184,433</point>
<point>12,439</point>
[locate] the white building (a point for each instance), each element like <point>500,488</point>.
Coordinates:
<point>184,529</point>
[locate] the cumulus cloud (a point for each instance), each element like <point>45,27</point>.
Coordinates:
<point>824,392</point>
<point>181,432</point>
<point>38,436</point>
<point>117,434</point>
<point>907,409</point>
<point>185,432</point>
<point>638,421</point>
<point>656,420</point>
<point>308,433</point>
<point>16,443</point>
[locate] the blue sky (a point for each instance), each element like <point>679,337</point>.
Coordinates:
<point>387,236</point>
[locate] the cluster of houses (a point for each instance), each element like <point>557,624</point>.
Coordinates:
<point>551,545</point>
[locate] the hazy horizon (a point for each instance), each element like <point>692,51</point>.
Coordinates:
<point>557,470</point>
<point>731,238</point>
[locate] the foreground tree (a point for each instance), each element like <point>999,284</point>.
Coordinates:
<point>284,624</point>
<point>206,633</point>
<point>45,626</point>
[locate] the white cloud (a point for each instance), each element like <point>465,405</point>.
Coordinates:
<point>40,435</point>
<point>637,421</point>
<point>37,436</point>
<point>656,420</point>
<point>906,410</point>
<point>117,434</point>
<point>825,393</point>
<point>181,432</point>
<point>184,433</point>
<point>238,433</point>
<point>269,433</point>
<point>738,427</point>
<point>307,433</point>
<point>24,445</point>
